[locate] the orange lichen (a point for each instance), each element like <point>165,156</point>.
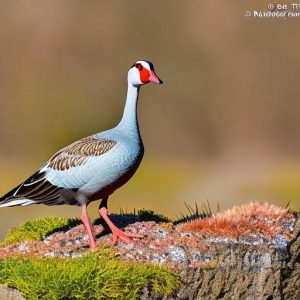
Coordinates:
<point>245,220</point>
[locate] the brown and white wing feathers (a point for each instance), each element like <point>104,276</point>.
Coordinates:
<point>77,153</point>
<point>37,189</point>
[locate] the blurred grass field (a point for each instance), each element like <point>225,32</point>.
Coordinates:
<point>224,126</point>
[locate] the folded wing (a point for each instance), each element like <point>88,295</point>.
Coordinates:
<point>37,189</point>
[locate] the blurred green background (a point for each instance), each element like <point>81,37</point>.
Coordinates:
<point>224,127</point>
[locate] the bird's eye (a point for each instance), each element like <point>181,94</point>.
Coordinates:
<point>139,67</point>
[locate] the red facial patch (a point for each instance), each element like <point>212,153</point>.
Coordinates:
<point>144,73</point>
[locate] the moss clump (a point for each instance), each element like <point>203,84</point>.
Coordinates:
<point>150,215</point>
<point>123,219</point>
<point>95,276</point>
<point>38,229</point>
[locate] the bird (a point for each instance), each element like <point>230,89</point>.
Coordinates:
<point>93,167</point>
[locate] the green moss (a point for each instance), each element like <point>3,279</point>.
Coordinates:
<point>95,276</point>
<point>150,215</point>
<point>38,229</point>
<point>123,218</point>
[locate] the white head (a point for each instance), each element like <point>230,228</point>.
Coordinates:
<point>142,72</point>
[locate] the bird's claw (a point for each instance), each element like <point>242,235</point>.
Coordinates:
<point>124,236</point>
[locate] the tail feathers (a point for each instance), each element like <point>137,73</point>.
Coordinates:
<point>10,194</point>
<point>15,202</point>
<point>7,198</point>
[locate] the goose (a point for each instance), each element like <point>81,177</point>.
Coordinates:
<point>93,167</point>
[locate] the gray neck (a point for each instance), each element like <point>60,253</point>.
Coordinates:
<point>129,121</point>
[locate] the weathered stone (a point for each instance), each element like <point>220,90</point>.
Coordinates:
<point>7,293</point>
<point>236,271</point>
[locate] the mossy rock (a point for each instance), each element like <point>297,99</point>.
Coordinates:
<point>93,276</point>
<point>234,271</point>
<point>38,229</point>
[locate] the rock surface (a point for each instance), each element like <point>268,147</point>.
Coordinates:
<point>7,293</point>
<point>246,253</point>
<point>245,272</point>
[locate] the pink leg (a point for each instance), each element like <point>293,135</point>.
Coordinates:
<point>117,233</point>
<point>88,227</point>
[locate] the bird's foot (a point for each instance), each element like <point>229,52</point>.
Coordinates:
<point>123,236</point>
<point>118,234</point>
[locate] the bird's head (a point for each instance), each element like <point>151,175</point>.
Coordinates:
<point>142,72</point>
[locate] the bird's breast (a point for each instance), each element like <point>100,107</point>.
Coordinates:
<point>114,168</point>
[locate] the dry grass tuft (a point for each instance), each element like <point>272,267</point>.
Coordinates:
<point>255,209</point>
<point>246,220</point>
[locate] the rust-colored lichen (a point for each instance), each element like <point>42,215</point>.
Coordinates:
<point>254,218</point>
